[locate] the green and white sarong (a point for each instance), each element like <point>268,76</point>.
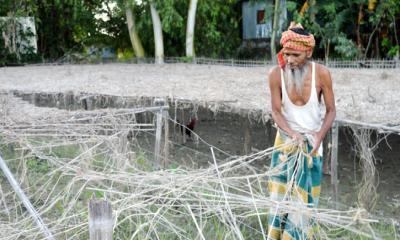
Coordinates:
<point>296,183</point>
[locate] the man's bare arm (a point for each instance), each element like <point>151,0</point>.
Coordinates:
<point>274,77</point>
<point>329,99</point>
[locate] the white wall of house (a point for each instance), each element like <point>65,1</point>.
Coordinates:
<point>25,24</point>
<point>254,29</point>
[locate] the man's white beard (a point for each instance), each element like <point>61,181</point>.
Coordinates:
<point>295,78</point>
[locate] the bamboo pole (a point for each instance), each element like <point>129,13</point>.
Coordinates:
<point>166,138</point>
<point>334,161</point>
<point>158,140</point>
<point>183,131</point>
<point>159,121</point>
<point>378,127</point>
<point>175,114</point>
<point>25,200</point>
<point>327,150</point>
<point>247,136</point>
<point>101,221</point>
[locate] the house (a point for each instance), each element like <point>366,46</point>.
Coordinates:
<point>257,23</point>
<point>18,34</point>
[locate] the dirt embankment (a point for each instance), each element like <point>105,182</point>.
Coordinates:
<point>366,95</point>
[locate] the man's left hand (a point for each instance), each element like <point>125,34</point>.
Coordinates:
<point>317,142</point>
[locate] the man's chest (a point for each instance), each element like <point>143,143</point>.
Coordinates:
<point>304,96</point>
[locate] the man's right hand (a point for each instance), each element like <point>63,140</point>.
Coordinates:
<point>297,137</point>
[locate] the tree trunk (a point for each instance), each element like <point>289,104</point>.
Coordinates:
<point>10,35</point>
<point>327,46</point>
<point>190,28</point>
<point>377,52</point>
<point>274,30</point>
<point>133,34</point>
<point>312,8</point>
<point>158,35</point>
<point>395,37</point>
<point>360,17</point>
<point>12,14</point>
<point>370,38</point>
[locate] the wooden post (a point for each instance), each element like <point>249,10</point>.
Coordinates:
<point>166,138</point>
<point>334,161</point>
<point>159,116</point>
<point>327,149</point>
<point>247,136</point>
<point>101,220</point>
<point>175,113</point>
<point>183,133</point>
<point>122,149</point>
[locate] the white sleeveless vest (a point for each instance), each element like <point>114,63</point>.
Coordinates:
<point>306,118</point>
<point>303,119</point>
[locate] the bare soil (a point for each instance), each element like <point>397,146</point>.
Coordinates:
<point>366,95</point>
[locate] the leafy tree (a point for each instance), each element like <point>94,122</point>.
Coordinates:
<point>344,29</point>
<point>346,47</point>
<point>218,30</point>
<point>383,22</point>
<point>326,20</point>
<point>216,22</point>
<point>65,26</point>
<point>344,25</point>
<point>14,36</point>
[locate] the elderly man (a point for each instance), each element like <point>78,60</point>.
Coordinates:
<point>297,88</point>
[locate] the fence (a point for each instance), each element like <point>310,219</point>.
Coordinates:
<point>361,63</point>
<point>334,63</point>
<point>100,220</point>
<point>157,195</point>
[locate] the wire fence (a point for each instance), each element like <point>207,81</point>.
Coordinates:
<point>361,63</point>
<point>331,63</point>
<point>225,198</point>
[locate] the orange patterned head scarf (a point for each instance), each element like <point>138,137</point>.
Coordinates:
<point>295,38</point>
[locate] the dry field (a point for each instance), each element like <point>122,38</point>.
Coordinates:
<point>366,95</point>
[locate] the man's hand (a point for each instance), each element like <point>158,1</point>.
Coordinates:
<point>317,142</point>
<point>297,137</point>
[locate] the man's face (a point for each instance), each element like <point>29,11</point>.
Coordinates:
<point>295,58</point>
<point>296,69</point>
